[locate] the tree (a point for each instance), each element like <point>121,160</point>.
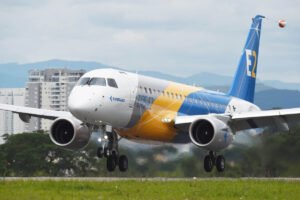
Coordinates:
<point>31,154</point>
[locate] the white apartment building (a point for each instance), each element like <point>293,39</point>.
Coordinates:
<point>49,89</point>
<point>11,123</point>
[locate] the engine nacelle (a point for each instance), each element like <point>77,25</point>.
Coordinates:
<point>210,133</point>
<point>69,133</point>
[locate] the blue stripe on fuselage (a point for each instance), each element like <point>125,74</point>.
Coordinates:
<point>210,103</point>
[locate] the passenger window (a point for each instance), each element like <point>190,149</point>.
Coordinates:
<point>150,90</point>
<point>154,90</point>
<point>146,90</point>
<point>83,81</point>
<point>112,83</point>
<point>195,100</point>
<point>172,95</point>
<point>158,91</point>
<point>98,81</point>
<point>168,94</point>
<point>163,92</point>
<point>180,96</point>
<point>176,96</point>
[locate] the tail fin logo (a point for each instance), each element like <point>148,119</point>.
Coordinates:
<point>249,54</point>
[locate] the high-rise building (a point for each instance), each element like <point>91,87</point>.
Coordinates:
<point>11,123</point>
<point>49,89</point>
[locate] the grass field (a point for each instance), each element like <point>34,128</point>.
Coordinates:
<point>134,189</point>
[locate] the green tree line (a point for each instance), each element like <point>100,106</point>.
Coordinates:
<point>33,154</point>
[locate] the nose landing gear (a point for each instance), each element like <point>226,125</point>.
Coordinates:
<point>110,151</point>
<point>211,160</point>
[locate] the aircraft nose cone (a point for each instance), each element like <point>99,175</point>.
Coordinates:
<point>79,105</point>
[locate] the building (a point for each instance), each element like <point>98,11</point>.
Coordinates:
<point>11,123</point>
<point>49,89</point>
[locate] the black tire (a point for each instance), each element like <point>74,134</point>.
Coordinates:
<point>111,163</point>
<point>220,163</point>
<point>123,163</point>
<point>100,152</point>
<point>208,163</point>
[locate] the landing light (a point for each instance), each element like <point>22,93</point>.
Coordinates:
<point>166,120</point>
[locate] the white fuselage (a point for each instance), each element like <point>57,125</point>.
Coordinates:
<point>142,107</point>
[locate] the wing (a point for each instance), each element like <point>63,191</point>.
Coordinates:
<point>26,112</point>
<point>260,119</point>
<point>247,120</point>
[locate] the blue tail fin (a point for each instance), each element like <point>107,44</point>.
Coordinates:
<point>243,85</point>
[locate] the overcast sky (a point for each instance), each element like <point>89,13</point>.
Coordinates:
<point>179,37</point>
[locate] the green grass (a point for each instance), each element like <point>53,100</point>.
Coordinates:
<point>130,189</point>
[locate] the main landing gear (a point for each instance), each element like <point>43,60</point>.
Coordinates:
<point>110,151</point>
<point>212,160</point>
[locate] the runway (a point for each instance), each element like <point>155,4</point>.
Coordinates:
<point>159,179</point>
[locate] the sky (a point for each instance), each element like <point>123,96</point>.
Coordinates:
<point>170,36</point>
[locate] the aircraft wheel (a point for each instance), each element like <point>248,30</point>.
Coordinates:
<point>100,152</point>
<point>111,163</point>
<point>208,163</point>
<point>123,163</point>
<point>220,163</point>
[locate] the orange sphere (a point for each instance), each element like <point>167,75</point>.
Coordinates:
<point>282,23</point>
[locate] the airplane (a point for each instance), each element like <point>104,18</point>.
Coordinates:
<point>120,104</point>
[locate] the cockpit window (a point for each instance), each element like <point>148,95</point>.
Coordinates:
<point>112,83</point>
<point>98,81</point>
<point>83,81</point>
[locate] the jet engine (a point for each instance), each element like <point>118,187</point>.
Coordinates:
<point>210,133</point>
<point>70,133</point>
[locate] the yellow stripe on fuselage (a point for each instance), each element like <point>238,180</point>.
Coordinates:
<point>151,126</point>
